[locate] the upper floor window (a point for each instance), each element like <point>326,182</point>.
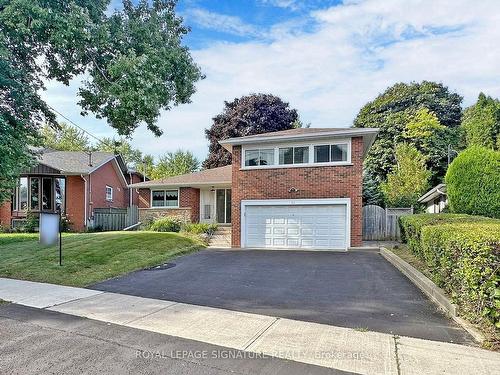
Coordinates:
<point>299,155</point>
<point>165,198</point>
<point>109,193</point>
<point>263,156</point>
<point>330,153</point>
<point>294,155</point>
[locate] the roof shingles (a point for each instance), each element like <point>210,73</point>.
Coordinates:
<point>208,176</point>
<point>74,162</point>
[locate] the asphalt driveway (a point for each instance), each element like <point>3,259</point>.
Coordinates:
<point>354,289</point>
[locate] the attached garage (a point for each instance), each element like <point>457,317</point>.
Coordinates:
<point>316,224</point>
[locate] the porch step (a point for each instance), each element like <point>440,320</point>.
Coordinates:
<point>221,237</point>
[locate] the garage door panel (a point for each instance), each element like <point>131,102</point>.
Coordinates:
<point>279,230</point>
<point>297,226</point>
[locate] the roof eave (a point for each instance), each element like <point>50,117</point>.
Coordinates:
<point>141,185</point>
<point>433,193</point>
<point>369,134</point>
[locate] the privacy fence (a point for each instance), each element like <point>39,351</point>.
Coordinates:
<point>381,224</point>
<point>115,218</point>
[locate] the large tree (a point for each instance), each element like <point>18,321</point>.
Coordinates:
<point>392,112</point>
<point>64,137</point>
<point>248,115</point>
<point>134,63</point>
<point>175,163</point>
<point>131,155</point>
<point>408,179</point>
<point>481,123</point>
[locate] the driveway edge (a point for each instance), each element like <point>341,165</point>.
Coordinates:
<point>431,290</point>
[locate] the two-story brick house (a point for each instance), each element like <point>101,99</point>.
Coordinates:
<point>292,189</point>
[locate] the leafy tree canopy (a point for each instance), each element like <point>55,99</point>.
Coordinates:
<point>64,138</point>
<point>481,123</point>
<point>175,163</point>
<point>404,113</point>
<point>134,60</point>
<point>248,115</point>
<point>409,178</point>
<point>132,156</point>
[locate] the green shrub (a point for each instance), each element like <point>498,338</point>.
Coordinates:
<point>473,182</point>
<point>462,253</point>
<point>200,228</point>
<point>411,225</point>
<point>165,224</point>
<point>31,224</point>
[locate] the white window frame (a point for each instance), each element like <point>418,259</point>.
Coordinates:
<point>277,146</point>
<point>293,155</point>
<point>259,149</point>
<point>109,198</point>
<point>163,207</point>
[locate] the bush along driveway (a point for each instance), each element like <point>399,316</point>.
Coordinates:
<point>91,257</point>
<point>461,254</point>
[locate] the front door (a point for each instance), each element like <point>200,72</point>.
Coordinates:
<point>207,206</point>
<point>223,205</point>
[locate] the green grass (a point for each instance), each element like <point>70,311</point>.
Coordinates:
<point>90,257</point>
<point>404,253</point>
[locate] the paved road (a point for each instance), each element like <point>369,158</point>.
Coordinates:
<point>34,341</point>
<point>355,289</point>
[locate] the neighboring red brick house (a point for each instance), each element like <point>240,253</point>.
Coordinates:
<point>74,182</point>
<point>293,189</point>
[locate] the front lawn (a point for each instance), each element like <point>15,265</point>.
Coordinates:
<point>90,257</point>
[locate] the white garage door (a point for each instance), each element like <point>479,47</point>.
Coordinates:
<point>298,226</point>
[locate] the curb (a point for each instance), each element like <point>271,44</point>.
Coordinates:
<point>432,291</point>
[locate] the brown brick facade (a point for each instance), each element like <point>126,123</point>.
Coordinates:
<point>5,214</point>
<point>189,206</point>
<point>311,182</point>
<point>75,202</point>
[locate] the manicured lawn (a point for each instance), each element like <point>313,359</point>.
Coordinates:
<point>90,257</point>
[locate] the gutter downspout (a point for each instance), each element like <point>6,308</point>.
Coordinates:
<point>130,191</point>
<point>85,209</point>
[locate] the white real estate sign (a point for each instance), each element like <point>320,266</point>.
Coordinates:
<point>49,228</point>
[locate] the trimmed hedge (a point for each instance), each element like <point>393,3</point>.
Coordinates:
<point>473,182</point>
<point>462,253</point>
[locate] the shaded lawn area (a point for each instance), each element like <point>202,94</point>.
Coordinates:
<point>404,253</point>
<point>90,257</point>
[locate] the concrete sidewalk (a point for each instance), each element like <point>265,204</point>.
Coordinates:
<point>322,345</point>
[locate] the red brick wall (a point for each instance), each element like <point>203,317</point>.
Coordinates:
<point>75,202</point>
<point>188,198</point>
<point>107,175</point>
<point>144,198</point>
<point>135,195</point>
<point>5,214</point>
<point>311,182</point>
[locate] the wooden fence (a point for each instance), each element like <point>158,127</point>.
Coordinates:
<point>381,224</point>
<point>115,218</point>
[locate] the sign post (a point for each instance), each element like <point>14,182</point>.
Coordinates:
<point>50,231</point>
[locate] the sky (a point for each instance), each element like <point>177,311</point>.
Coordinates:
<point>326,58</point>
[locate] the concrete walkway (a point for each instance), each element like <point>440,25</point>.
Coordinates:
<point>322,345</point>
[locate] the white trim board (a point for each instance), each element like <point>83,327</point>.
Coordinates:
<point>276,146</point>
<point>296,202</point>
